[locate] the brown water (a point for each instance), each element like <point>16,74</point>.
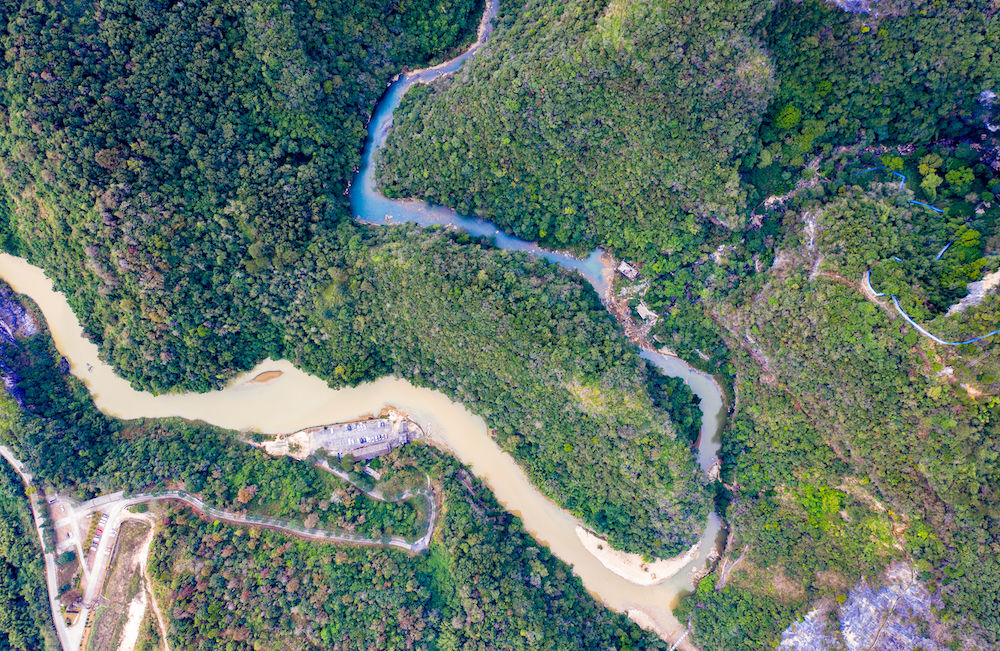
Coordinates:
<point>295,400</point>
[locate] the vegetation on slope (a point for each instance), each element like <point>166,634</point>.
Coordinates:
<point>573,425</point>
<point>590,123</point>
<point>515,139</point>
<point>525,345</point>
<point>911,72</point>
<point>483,584</point>
<point>168,162</point>
<point>25,619</point>
<point>69,444</point>
<point>485,581</point>
<point>853,443</point>
<point>850,447</point>
<point>584,125</point>
<point>180,174</point>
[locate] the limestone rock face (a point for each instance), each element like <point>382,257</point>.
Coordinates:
<point>893,614</point>
<point>855,6</point>
<point>15,322</point>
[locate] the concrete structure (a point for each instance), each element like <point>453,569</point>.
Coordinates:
<point>364,439</point>
<point>645,312</point>
<point>627,270</point>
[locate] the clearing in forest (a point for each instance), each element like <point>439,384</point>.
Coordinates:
<point>122,587</point>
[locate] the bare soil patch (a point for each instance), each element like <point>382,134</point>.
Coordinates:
<point>122,585</point>
<point>149,634</point>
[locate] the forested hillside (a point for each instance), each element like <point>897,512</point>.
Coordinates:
<point>25,620</point>
<point>483,584</point>
<point>181,174</point>
<point>557,384</point>
<point>168,162</point>
<point>790,178</point>
<point>859,440</point>
<point>587,123</point>
<point>553,147</point>
<point>911,72</point>
<point>525,345</point>
<point>850,451</point>
<point>53,426</point>
<point>872,173</point>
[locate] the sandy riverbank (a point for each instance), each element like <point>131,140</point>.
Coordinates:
<point>266,376</point>
<point>632,567</point>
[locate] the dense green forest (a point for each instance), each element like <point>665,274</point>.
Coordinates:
<point>25,619</point>
<point>674,396</point>
<point>849,452</point>
<point>549,132</point>
<point>856,440</point>
<point>70,445</point>
<point>168,162</point>
<point>588,123</point>
<point>908,73</point>
<point>572,426</point>
<point>978,364</point>
<point>483,584</point>
<point>193,242</point>
<point>872,220</point>
<point>528,347</point>
<point>179,169</point>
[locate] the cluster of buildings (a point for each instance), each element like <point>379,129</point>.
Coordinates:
<point>631,272</point>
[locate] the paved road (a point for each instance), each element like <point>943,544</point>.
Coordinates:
<point>114,505</point>
<point>66,637</point>
<point>427,494</point>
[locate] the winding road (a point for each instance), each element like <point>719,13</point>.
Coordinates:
<point>873,295</point>
<point>118,501</point>
<point>115,505</point>
<point>63,632</point>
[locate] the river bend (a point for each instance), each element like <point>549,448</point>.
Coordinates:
<point>295,400</point>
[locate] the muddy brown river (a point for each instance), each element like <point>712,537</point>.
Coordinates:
<point>295,400</point>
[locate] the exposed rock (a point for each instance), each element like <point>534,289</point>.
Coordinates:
<point>810,634</point>
<point>15,321</point>
<point>856,6</point>
<point>888,618</point>
<point>987,99</point>
<point>896,616</point>
<point>977,292</point>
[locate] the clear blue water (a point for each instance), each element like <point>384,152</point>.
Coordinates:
<point>370,207</point>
